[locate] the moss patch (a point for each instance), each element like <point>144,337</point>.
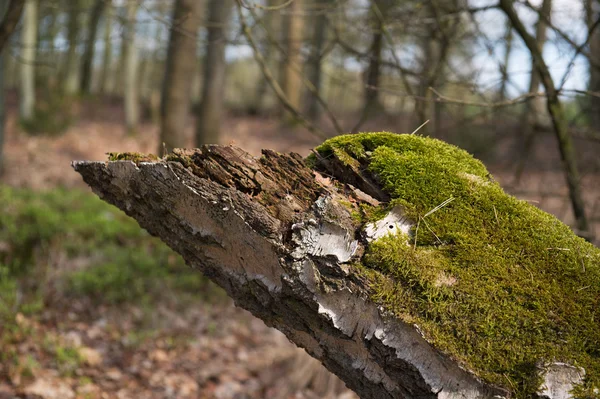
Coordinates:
<point>135,157</point>
<point>491,280</point>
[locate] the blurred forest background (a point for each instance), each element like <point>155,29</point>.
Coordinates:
<point>91,306</point>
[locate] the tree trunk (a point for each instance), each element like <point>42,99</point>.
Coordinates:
<point>559,121</point>
<point>534,108</point>
<point>291,77</point>
<point>3,8</point>
<point>271,26</point>
<point>372,102</point>
<point>130,64</point>
<point>319,37</point>
<point>592,14</point>
<point>70,81</point>
<point>11,18</point>
<point>87,64</point>
<point>180,67</point>
<point>28,51</point>
<point>508,43</point>
<point>213,89</point>
<point>105,76</point>
<point>286,243</point>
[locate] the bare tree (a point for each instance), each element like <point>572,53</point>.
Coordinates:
<point>270,23</point>
<point>291,67</point>
<point>372,102</point>
<point>180,66</point>
<point>107,56</point>
<point>559,121</point>
<point>534,109</point>
<point>90,46</point>
<point>592,8</point>
<point>3,9</point>
<point>70,83</point>
<point>211,105</point>
<point>314,64</point>
<point>28,52</point>
<point>130,61</point>
<point>11,16</point>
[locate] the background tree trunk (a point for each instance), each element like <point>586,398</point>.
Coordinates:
<point>213,89</point>
<point>27,67</point>
<point>3,8</point>
<point>105,75</point>
<point>87,65</point>
<point>11,18</point>
<point>271,25</point>
<point>559,121</point>
<point>534,108</point>
<point>130,61</point>
<point>180,66</point>
<point>292,25</point>
<point>314,64</point>
<point>70,82</point>
<point>373,71</point>
<point>592,14</point>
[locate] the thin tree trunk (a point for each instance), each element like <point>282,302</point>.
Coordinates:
<point>130,61</point>
<point>315,59</point>
<point>104,86</point>
<point>271,19</point>
<point>213,89</point>
<point>534,108</point>
<point>180,66</point>
<point>372,101</point>
<point>70,82</point>
<point>292,25</point>
<point>27,67</point>
<point>3,7</point>
<point>10,20</point>
<point>88,56</point>
<point>594,84</point>
<point>508,41</point>
<point>559,121</point>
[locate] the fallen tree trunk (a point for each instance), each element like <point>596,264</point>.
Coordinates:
<point>344,259</point>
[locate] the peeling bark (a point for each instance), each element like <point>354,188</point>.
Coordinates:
<point>278,238</point>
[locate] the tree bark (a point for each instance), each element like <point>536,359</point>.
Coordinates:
<point>283,243</point>
<point>70,82</point>
<point>27,67</point>
<point>213,89</point>
<point>130,64</point>
<point>291,67</point>
<point>319,38</point>
<point>180,66</point>
<point>87,63</point>
<point>105,75</point>
<point>559,121</point>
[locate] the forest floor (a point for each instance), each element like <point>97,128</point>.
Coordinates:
<point>71,339</point>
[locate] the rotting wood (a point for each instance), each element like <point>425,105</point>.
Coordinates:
<point>282,243</point>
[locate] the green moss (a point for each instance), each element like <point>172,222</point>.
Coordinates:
<point>135,157</point>
<point>491,280</point>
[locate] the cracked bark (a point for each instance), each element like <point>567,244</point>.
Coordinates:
<point>277,237</point>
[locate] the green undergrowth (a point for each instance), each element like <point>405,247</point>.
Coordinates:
<point>492,281</point>
<point>63,244</point>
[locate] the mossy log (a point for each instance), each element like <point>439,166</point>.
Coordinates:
<point>395,260</point>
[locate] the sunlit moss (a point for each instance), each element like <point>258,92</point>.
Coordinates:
<point>494,282</point>
<point>135,157</point>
